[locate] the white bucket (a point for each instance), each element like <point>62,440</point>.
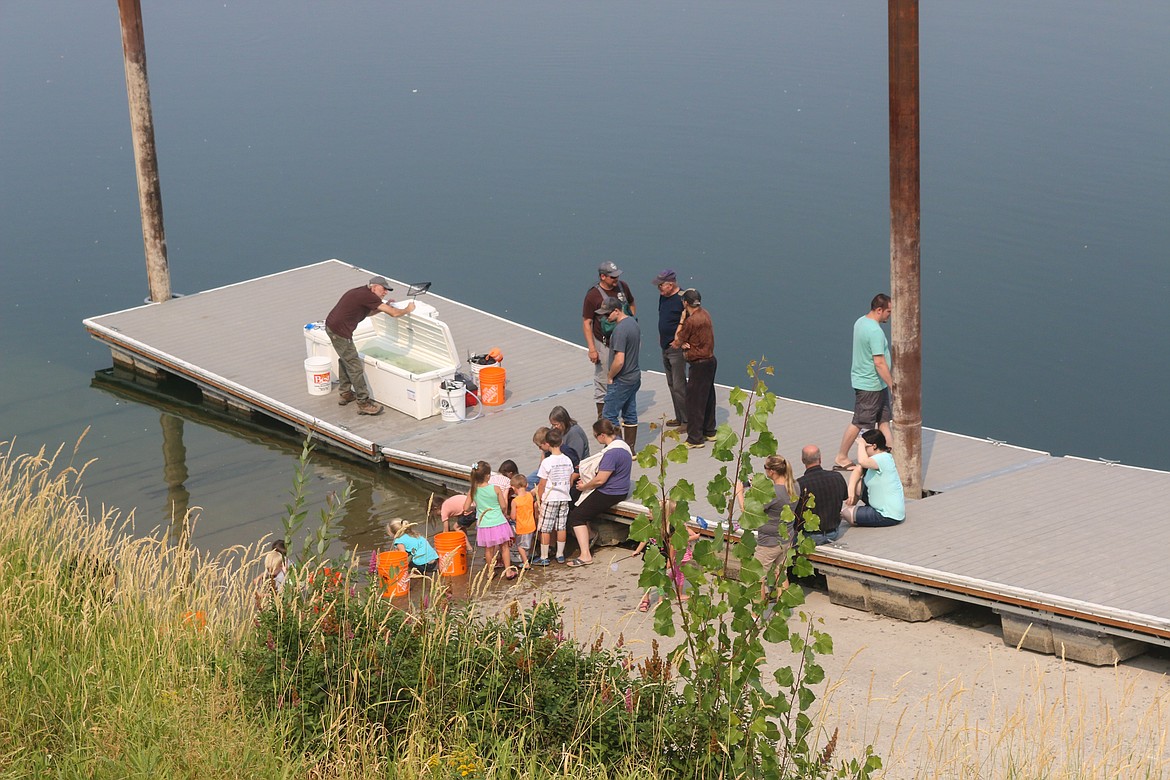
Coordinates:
<point>318,375</point>
<point>453,400</point>
<point>477,367</point>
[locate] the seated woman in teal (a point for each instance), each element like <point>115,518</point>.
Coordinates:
<point>423,557</point>
<point>875,489</point>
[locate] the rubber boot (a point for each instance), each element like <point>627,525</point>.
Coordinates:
<point>630,436</point>
<point>600,407</point>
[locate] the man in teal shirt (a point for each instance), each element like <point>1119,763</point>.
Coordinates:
<point>871,378</point>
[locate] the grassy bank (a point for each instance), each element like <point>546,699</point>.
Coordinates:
<point>120,652</point>
<point>127,656</point>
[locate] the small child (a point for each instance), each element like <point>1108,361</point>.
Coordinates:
<point>275,572</point>
<point>451,511</point>
<point>492,531</point>
<point>502,478</point>
<point>423,557</point>
<point>556,474</point>
<point>524,509</point>
<point>672,567</point>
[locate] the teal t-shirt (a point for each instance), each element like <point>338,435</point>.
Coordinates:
<point>884,488</point>
<point>868,340</point>
<point>420,550</point>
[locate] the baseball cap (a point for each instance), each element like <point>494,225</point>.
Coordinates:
<point>692,296</point>
<point>609,269</point>
<point>665,275</point>
<point>608,305</point>
<point>379,280</point>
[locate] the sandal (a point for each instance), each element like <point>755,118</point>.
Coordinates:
<point>577,563</point>
<point>644,605</point>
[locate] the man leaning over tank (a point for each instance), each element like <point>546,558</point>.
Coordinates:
<point>353,307</point>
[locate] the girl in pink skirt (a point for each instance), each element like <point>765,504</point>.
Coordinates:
<point>492,531</point>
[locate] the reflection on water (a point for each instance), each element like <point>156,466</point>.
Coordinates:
<point>377,495</point>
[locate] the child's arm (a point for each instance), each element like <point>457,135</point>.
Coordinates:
<point>467,502</point>
<point>400,547</point>
<point>503,499</point>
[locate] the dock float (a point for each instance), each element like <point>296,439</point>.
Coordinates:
<point>1070,552</point>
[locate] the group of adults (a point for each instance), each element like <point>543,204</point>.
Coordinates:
<point>686,337</point>
<point>872,495</point>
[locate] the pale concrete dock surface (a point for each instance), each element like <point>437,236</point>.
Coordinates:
<point>1071,552</point>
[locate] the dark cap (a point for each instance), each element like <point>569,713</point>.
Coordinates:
<point>665,275</point>
<point>609,269</point>
<point>692,296</point>
<point>608,305</point>
<point>380,281</point>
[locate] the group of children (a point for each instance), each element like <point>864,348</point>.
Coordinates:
<point>507,509</point>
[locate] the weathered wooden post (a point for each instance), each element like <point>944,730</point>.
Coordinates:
<point>145,160</point>
<point>905,243</point>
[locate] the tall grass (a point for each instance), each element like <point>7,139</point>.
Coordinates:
<point>118,650</point>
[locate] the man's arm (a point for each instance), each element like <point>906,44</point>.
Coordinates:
<point>394,311</point>
<point>879,365</point>
<point>587,327</point>
<point>615,368</point>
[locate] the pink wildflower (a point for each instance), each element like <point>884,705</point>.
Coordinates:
<point>629,700</point>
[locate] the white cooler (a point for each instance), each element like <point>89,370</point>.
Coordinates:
<point>406,358</point>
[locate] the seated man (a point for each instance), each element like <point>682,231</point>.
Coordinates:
<point>829,491</point>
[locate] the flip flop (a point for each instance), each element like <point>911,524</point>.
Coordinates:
<point>839,467</point>
<point>511,573</point>
<point>577,563</point>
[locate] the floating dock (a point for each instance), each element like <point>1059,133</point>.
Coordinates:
<point>1043,540</point>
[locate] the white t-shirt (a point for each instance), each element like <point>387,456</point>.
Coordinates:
<point>557,470</point>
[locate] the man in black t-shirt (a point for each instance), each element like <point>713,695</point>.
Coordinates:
<point>829,490</point>
<point>353,307</point>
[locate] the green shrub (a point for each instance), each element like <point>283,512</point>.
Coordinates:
<point>329,649</point>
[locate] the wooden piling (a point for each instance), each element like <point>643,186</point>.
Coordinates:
<point>905,239</point>
<point>145,160</point>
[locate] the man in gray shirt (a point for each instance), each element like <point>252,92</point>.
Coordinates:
<point>625,378</point>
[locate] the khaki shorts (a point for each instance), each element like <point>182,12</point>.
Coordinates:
<point>769,555</point>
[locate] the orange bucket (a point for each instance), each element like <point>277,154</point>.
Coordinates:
<point>491,385</point>
<point>452,549</point>
<point>394,569</point>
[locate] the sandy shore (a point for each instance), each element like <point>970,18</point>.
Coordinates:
<point>945,698</point>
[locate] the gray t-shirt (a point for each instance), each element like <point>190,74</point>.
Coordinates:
<point>627,338</point>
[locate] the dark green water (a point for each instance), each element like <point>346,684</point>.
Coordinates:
<point>502,149</point>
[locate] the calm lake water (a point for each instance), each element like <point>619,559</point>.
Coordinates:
<point>502,149</point>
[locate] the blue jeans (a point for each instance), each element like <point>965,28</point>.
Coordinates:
<point>621,401</point>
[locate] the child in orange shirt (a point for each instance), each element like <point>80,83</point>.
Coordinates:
<point>524,509</point>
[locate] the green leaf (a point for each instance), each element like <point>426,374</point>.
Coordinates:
<point>784,677</point>
<point>682,491</point>
<point>648,457</point>
<point>764,445</point>
<point>823,643</point>
<point>641,528</point>
<point>737,398</point>
<point>664,619</point>
<point>679,454</point>
<point>813,674</point>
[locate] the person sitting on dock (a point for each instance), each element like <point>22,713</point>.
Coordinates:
<point>353,307</point>
<point>828,491</point>
<point>871,378</point>
<point>598,329</point>
<point>875,498</point>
